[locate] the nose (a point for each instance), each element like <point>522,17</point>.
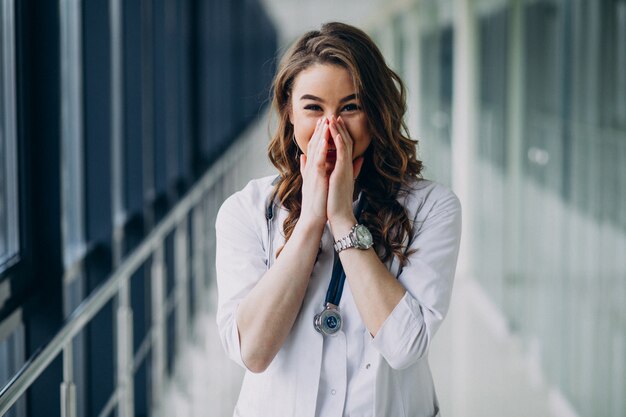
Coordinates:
<point>329,114</point>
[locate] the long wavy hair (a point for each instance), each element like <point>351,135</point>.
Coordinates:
<point>390,163</point>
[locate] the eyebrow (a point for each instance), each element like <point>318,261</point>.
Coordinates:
<point>312,97</point>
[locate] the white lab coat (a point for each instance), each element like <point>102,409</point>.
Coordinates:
<point>398,355</point>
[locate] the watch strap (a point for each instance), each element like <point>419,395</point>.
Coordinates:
<point>345,242</point>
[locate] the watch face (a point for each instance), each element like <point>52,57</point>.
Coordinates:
<point>363,237</point>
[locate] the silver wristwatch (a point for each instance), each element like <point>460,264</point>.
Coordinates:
<point>359,237</point>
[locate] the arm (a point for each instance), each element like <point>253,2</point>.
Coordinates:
<point>257,309</point>
<point>266,315</point>
<point>401,314</point>
<point>376,292</point>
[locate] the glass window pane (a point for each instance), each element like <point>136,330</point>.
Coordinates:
<point>9,243</point>
<point>436,62</point>
<point>71,131</point>
<point>399,38</point>
<point>12,356</point>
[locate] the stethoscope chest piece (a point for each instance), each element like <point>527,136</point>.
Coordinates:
<point>329,321</point>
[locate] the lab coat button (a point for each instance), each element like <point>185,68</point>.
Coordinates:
<point>367,366</point>
<point>332,391</point>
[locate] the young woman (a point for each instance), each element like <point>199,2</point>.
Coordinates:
<point>334,275</point>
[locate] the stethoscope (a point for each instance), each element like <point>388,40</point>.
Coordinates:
<point>329,321</point>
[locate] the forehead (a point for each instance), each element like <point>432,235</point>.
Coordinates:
<point>324,80</point>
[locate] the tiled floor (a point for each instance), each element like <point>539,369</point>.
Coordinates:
<point>481,369</point>
<point>208,383</point>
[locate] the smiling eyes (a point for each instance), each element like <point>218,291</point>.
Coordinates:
<point>348,107</point>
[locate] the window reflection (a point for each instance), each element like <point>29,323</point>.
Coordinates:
<point>12,356</point>
<point>9,243</point>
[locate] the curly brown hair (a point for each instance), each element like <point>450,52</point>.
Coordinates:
<point>390,163</point>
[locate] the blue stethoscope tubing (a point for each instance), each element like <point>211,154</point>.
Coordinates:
<point>328,322</point>
<point>338,277</point>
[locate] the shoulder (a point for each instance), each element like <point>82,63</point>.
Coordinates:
<point>255,191</point>
<point>424,198</point>
<point>249,202</point>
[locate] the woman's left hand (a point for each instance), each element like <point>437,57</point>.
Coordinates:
<point>342,178</point>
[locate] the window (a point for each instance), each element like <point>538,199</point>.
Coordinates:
<point>436,83</point>
<point>493,32</point>
<point>71,133</point>
<point>545,75</point>
<point>399,39</point>
<point>614,61</point>
<point>12,356</point>
<point>9,233</point>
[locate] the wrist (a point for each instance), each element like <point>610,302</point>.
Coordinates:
<point>359,237</point>
<point>342,226</point>
<point>310,225</point>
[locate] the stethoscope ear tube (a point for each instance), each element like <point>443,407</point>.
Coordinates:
<point>269,216</point>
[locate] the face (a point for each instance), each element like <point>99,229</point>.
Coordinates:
<point>324,90</point>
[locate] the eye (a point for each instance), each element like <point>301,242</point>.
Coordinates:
<point>312,107</point>
<point>351,107</point>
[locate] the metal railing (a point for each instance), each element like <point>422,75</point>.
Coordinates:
<point>199,206</point>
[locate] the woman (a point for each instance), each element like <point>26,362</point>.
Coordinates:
<point>348,177</point>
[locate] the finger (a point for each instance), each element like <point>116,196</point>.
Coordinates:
<point>342,158</point>
<point>322,147</point>
<point>338,135</point>
<point>340,145</point>
<point>341,123</point>
<point>342,138</point>
<point>320,158</point>
<point>344,131</point>
<point>312,145</point>
<point>323,137</point>
<point>302,163</point>
<point>317,137</point>
<point>345,134</point>
<point>334,127</point>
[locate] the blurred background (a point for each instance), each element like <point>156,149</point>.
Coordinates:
<point>125,124</point>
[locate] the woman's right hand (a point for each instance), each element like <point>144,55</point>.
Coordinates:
<point>282,288</point>
<point>314,176</point>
